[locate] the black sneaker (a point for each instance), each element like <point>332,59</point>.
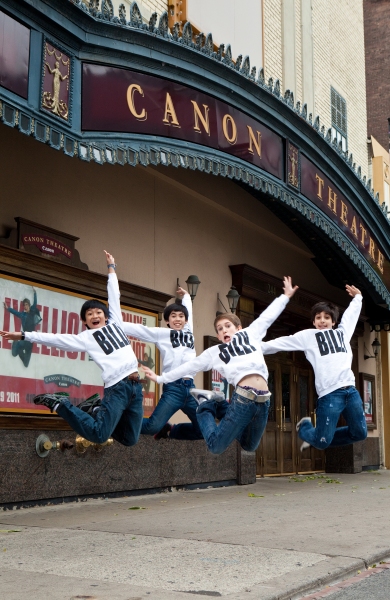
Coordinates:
<point>50,400</point>
<point>90,404</point>
<point>164,432</point>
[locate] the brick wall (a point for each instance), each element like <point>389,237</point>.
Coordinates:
<point>272,15</point>
<point>376,23</point>
<point>338,58</point>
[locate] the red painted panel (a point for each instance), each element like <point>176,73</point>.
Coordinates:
<point>105,107</point>
<point>14,55</point>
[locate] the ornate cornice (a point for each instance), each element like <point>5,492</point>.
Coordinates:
<point>147,150</point>
<point>102,10</point>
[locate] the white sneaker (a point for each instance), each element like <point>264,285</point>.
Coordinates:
<point>304,445</point>
<point>301,421</point>
<point>206,395</point>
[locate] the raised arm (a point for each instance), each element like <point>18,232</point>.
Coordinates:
<point>286,343</point>
<point>203,362</point>
<point>187,302</point>
<point>114,305</point>
<point>63,341</point>
<point>141,332</point>
<point>271,313</point>
<point>35,301</point>
<point>351,314</point>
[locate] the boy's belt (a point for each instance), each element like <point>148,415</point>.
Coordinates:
<point>133,376</point>
<point>251,395</point>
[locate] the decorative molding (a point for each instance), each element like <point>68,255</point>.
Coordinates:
<point>170,152</point>
<point>204,45</point>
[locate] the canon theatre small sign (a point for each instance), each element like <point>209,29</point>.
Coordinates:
<point>47,245</point>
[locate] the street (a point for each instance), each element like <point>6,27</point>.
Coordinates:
<point>267,540</point>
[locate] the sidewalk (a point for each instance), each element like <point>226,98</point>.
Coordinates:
<point>273,540</point>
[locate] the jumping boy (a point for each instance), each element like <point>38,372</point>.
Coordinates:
<point>121,410</point>
<point>240,360</point>
<point>176,345</point>
<point>329,352</point>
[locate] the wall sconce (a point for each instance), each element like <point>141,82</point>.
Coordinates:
<point>233,297</point>
<point>192,285</point>
<point>375,348</point>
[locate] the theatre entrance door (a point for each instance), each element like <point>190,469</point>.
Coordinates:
<point>293,397</point>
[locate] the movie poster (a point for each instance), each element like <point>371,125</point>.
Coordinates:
<point>28,369</point>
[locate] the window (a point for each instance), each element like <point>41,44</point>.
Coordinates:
<point>339,118</point>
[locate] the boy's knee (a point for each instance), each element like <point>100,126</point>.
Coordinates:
<point>322,443</point>
<point>360,436</point>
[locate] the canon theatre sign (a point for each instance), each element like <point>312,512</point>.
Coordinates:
<point>124,101</point>
<point>324,194</point>
<point>120,100</point>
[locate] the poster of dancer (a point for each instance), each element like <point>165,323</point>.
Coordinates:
<point>28,369</point>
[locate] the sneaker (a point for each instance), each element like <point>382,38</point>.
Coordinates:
<point>298,425</point>
<point>90,404</point>
<point>164,432</point>
<point>304,445</point>
<point>50,400</point>
<point>206,396</point>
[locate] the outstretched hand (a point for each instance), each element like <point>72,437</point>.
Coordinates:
<point>149,373</point>
<point>288,288</point>
<point>180,292</point>
<point>352,290</point>
<point>11,335</point>
<point>110,261</point>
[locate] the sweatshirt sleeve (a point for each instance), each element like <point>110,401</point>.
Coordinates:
<point>114,306</point>
<point>286,343</point>
<point>351,316</point>
<point>203,362</point>
<point>187,302</point>
<point>268,316</point>
<point>63,341</point>
<point>141,332</point>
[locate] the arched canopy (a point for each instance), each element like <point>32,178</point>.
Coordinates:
<point>110,88</point>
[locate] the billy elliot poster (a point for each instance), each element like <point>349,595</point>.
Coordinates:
<point>28,369</point>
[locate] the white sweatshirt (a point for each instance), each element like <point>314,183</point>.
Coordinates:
<point>328,350</point>
<point>108,346</point>
<point>242,356</point>
<point>176,347</point>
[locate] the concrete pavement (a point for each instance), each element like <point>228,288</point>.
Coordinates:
<point>276,539</point>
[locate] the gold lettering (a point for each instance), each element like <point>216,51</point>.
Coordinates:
<point>204,119</point>
<point>344,212</point>
<point>253,140</point>
<point>380,261</point>
<point>332,200</point>
<point>364,231</point>
<point>354,227</point>
<point>134,87</point>
<point>170,112</point>
<point>371,249</point>
<point>320,186</point>
<point>228,119</point>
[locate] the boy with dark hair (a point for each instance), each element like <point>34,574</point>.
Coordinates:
<point>329,352</point>
<point>121,410</point>
<point>240,360</point>
<point>176,345</point>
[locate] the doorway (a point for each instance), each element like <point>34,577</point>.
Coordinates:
<point>291,384</point>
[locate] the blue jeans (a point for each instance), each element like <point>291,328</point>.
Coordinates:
<point>244,421</point>
<point>176,396</point>
<point>346,402</point>
<point>120,415</point>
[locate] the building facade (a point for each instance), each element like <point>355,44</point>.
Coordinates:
<point>158,144</point>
